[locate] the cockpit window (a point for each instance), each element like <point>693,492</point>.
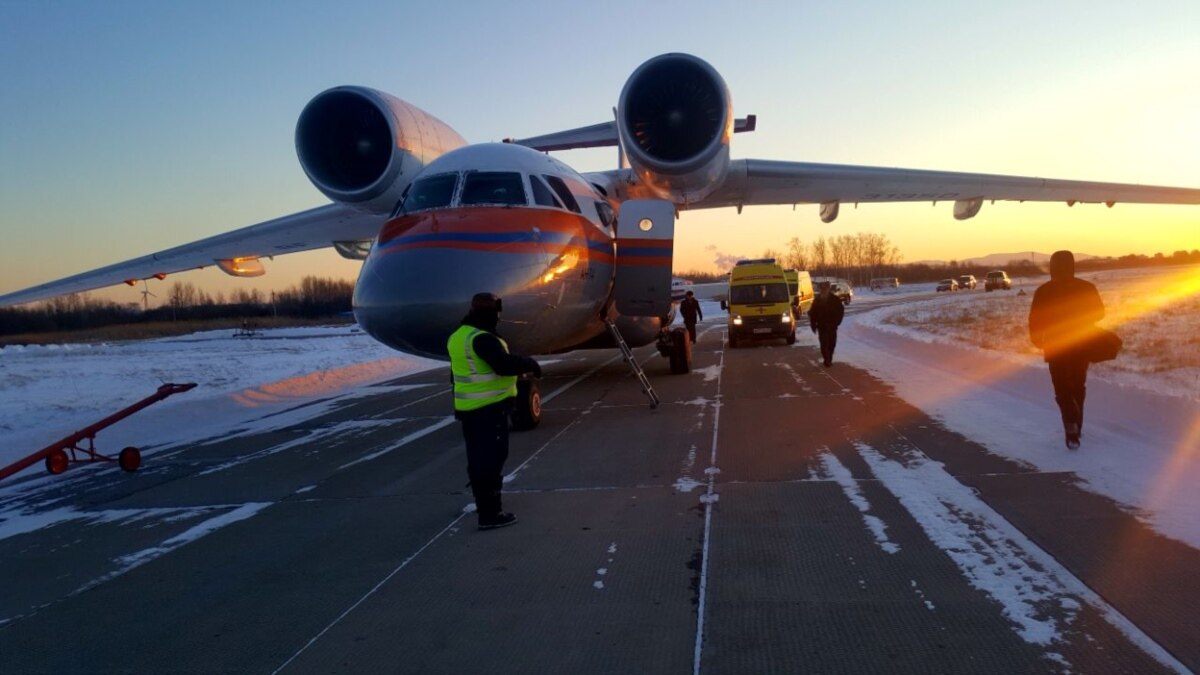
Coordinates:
<point>564,193</point>
<point>605,212</point>
<point>399,208</point>
<point>493,187</point>
<point>542,195</point>
<point>434,192</point>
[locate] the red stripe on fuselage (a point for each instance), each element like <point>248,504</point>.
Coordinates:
<point>479,219</point>
<point>423,230</point>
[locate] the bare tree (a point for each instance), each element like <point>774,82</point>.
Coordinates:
<point>796,256</point>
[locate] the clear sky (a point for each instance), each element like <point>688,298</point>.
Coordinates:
<point>129,127</point>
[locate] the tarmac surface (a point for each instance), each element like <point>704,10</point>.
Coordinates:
<point>770,516</point>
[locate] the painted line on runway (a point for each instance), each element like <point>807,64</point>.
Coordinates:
<point>369,593</point>
<point>708,499</point>
<point>420,433</point>
<point>446,529</point>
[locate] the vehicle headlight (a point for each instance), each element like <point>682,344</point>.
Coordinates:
<point>787,317</point>
<point>737,319</point>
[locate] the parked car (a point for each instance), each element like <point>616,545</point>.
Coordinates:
<point>884,282</point>
<point>947,285</point>
<point>842,291</point>
<point>967,282</point>
<point>997,280</point>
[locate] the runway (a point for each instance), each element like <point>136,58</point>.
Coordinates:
<point>769,516</point>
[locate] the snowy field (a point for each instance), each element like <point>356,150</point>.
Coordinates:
<point>961,357</point>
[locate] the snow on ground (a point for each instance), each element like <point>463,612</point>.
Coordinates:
<point>48,392</point>
<point>1141,443</point>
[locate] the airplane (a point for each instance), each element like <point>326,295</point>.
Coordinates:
<point>581,260</point>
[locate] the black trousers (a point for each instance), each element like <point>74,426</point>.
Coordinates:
<point>1069,376</point>
<point>486,434</point>
<point>691,329</point>
<point>828,339</point>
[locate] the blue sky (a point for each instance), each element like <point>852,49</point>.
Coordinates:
<point>127,127</point>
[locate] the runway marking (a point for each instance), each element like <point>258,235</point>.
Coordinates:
<point>420,433</point>
<point>369,593</point>
<point>708,500</point>
<point>453,524</point>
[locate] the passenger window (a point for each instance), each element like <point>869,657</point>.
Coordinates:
<point>434,192</point>
<point>542,196</point>
<point>560,189</point>
<point>493,187</point>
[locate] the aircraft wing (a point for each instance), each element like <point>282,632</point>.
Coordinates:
<point>236,252</point>
<point>758,181</point>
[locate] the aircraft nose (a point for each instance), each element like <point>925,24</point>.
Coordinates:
<point>415,287</point>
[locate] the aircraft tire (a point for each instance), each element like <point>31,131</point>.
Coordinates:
<point>681,352</point>
<point>528,413</point>
<point>130,459</point>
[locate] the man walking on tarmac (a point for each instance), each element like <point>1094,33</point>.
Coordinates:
<point>485,385</point>
<point>689,307</point>
<point>825,316</point>
<point>1062,318</point>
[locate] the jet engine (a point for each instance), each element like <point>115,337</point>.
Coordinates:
<point>675,118</point>
<point>362,147</point>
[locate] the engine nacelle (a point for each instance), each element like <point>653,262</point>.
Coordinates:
<point>362,147</point>
<point>675,119</point>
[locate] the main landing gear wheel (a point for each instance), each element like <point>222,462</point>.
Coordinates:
<point>56,462</point>
<point>528,413</point>
<point>681,352</point>
<point>130,459</point>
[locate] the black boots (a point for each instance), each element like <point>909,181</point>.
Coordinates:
<point>1072,433</point>
<point>495,520</point>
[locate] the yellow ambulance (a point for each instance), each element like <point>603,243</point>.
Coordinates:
<point>759,302</point>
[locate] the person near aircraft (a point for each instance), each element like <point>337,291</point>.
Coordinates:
<point>825,316</point>
<point>485,386</point>
<point>1062,321</point>
<point>689,307</point>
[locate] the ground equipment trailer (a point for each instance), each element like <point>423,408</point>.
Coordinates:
<point>55,454</point>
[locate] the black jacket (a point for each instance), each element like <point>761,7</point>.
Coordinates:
<point>690,309</point>
<point>826,312</point>
<point>1063,315</point>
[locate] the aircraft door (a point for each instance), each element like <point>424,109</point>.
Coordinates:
<point>645,251</point>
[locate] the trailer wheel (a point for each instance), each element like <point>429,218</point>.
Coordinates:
<point>130,459</point>
<point>681,352</point>
<point>56,462</point>
<point>528,413</point>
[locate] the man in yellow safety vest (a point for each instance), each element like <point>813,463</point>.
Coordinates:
<point>485,386</point>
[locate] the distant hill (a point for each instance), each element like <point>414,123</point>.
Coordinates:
<point>1001,259</point>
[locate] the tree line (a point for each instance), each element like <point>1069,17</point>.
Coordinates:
<point>863,256</point>
<point>312,298</point>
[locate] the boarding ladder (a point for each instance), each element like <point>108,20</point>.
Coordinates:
<point>633,364</point>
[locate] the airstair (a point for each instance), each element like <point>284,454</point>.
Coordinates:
<point>633,364</point>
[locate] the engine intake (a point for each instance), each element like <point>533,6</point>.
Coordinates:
<point>675,120</point>
<point>362,147</point>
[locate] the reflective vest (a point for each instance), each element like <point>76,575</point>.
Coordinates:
<point>475,383</point>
